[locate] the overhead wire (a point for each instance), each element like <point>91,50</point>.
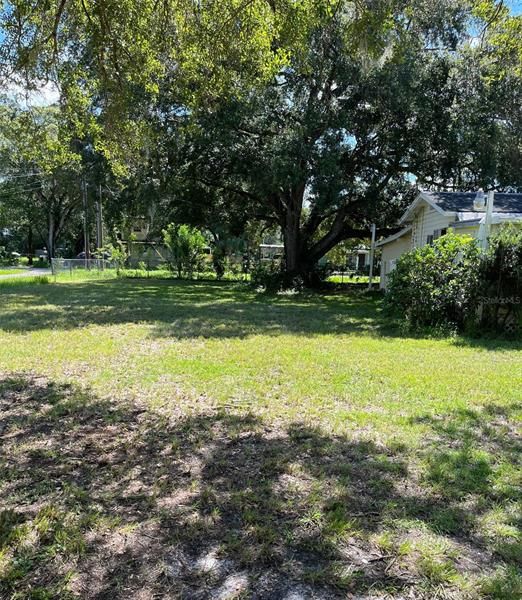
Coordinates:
<point>9,176</point>
<point>18,191</point>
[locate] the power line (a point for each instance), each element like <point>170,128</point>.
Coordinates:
<point>19,191</point>
<point>8,176</point>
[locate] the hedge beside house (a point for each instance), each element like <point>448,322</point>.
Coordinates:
<point>453,284</point>
<point>437,285</point>
<point>501,281</point>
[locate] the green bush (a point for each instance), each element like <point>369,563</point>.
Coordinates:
<point>501,280</point>
<point>41,263</point>
<point>187,245</point>
<point>8,259</point>
<point>117,254</point>
<point>437,285</point>
<point>267,275</point>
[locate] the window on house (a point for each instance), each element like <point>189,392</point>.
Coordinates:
<point>439,233</point>
<point>429,240</point>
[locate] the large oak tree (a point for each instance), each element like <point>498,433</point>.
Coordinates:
<point>319,116</point>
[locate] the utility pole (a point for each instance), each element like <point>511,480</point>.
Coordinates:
<point>99,227</point>
<point>372,255</point>
<point>489,218</point>
<point>85,223</point>
<point>99,220</point>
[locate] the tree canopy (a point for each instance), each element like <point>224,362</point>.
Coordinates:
<point>320,117</point>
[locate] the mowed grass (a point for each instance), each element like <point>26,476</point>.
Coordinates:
<point>199,440</point>
<point>11,271</point>
<point>353,279</point>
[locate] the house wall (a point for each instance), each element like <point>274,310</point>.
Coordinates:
<point>426,222</point>
<point>390,253</point>
<point>149,253</point>
<point>472,230</point>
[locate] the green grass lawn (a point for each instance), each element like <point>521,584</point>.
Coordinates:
<point>353,279</point>
<point>198,440</point>
<point>11,271</point>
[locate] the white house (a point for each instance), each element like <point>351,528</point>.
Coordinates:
<point>432,214</point>
<point>358,259</point>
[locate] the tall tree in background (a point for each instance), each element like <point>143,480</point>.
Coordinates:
<point>40,171</point>
<point>317,116</point>
<point>378,104</point>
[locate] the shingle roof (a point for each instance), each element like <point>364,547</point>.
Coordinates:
<point>463,201</point>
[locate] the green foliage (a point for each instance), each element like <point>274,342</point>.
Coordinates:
<point>125,52</point>
<point>117,254</point>
<point>501,279</point>
<point>437,285</point>
<point>8,258</point>
<point>267,275</point>
<point>253,105</point>
<point>186,245</point>
<point>219,259</point>
<point>42,159</point>
<point>311,149</point>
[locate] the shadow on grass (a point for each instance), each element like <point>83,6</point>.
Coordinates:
<point>185,309</point>
<point>474,458</point>
<point>112,501</point>
<point>465,443</point>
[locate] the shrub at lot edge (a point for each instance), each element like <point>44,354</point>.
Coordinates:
<point>437,285</point>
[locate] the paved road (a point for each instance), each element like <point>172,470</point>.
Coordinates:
<point>26,273</point>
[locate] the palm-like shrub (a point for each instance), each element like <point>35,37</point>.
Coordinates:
<point>186,245</point>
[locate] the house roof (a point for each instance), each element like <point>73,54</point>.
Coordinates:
<point>463,201</point>
<point>456,204</point>
<point>395,236</point>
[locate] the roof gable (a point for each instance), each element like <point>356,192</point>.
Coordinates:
<point>422,198</point>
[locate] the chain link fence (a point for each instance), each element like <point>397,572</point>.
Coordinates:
<point>71,265</point>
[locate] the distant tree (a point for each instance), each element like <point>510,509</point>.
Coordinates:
<point>41,171</point>
<point>333,143</point>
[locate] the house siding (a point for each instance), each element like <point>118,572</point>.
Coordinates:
<point>390,253</point>
<point>472,230</point>
<point>424,220</point>
<point>427,221</point>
